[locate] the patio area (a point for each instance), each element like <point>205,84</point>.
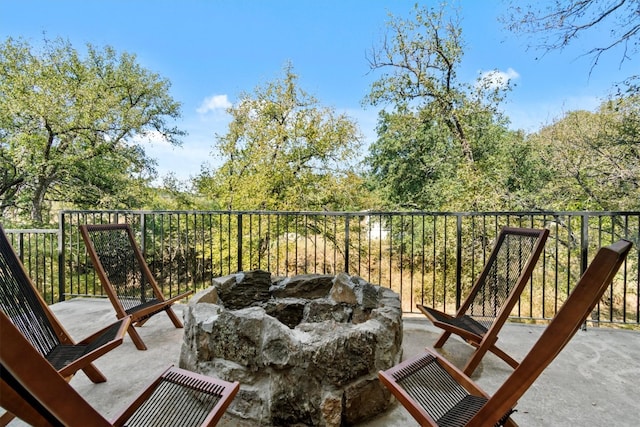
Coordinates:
<point>594,381</point>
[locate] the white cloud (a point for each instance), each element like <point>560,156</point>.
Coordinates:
<point>212,103</point>
<point>496,79</point>
<point>153,137</point>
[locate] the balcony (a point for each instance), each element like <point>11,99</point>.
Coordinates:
<point>592,382</point>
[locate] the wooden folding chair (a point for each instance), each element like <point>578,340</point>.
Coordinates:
<point>27,310</point>
<point>126,277</point>
<point>31,389</point>
<point>436,393</point>
<point>493,296</point>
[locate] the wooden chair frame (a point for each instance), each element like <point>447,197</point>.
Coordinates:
<point>144,309</point>
<point>37,394</point>
<point>484,336</point>
<point>21,302</point>
<point>429,374</point>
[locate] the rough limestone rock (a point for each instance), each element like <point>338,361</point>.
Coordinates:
<point>306,350</point>
<point>310,285</point>
<point>343,290</point>
<point>248,288</point>
<point>289,311</point>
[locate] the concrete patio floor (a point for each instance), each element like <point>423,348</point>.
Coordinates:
<point>593,382</point>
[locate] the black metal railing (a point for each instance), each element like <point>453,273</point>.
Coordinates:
<point>38,251</point>
<point>431,258</point>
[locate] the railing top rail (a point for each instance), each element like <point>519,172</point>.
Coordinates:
<point>355,213</point>
<point>31,230</point>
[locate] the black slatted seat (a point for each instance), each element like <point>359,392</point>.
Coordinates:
<point>143,306</point>
<point>465,322</point>
<point>463,411</point>
<point>61,355</point>
<point>449,403</point>
<point>197,398</point>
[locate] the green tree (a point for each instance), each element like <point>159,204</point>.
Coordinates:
<point>593,158</point>
<point>445,145</point>
<point>71,126</point>
<point>410,159</point>
<point>176,194</point>
<point>283,151</point>
<point>420,57</point>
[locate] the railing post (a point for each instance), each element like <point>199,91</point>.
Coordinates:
<point>143,234</point>
<point>346,243</point>
<point>584,244</point>
<point>239,242</point>
<point>21,247</point>
<point>61,257</point>
<point>458,261</point>
<point>584,250</point>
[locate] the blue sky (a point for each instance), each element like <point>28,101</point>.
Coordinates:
<point>212,51</point>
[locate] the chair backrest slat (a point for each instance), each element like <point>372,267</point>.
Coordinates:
<point>506,265</point>
<point>20,303</point>
<point>116,252</point>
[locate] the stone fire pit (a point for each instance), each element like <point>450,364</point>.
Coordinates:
<point>306,350</point>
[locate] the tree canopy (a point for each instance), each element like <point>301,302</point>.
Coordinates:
<point>71,126</point>
<point>445,145</point>
<point>419,58</point>
<point>284,151</point>
<point>593,158</point>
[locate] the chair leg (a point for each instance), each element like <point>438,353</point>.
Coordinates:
<point>443,338</point>
<point>504,356</point>
<point>14,403</point>
<point>510,423</point>
<point>6,418</point>
<point>481,350</point>
<point>474,361</point>
<point>136,338</point>
<point>94,374</point>
<point>487,343</point>
<point>174,318</point>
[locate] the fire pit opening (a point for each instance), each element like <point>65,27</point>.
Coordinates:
<point>305,349</point>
